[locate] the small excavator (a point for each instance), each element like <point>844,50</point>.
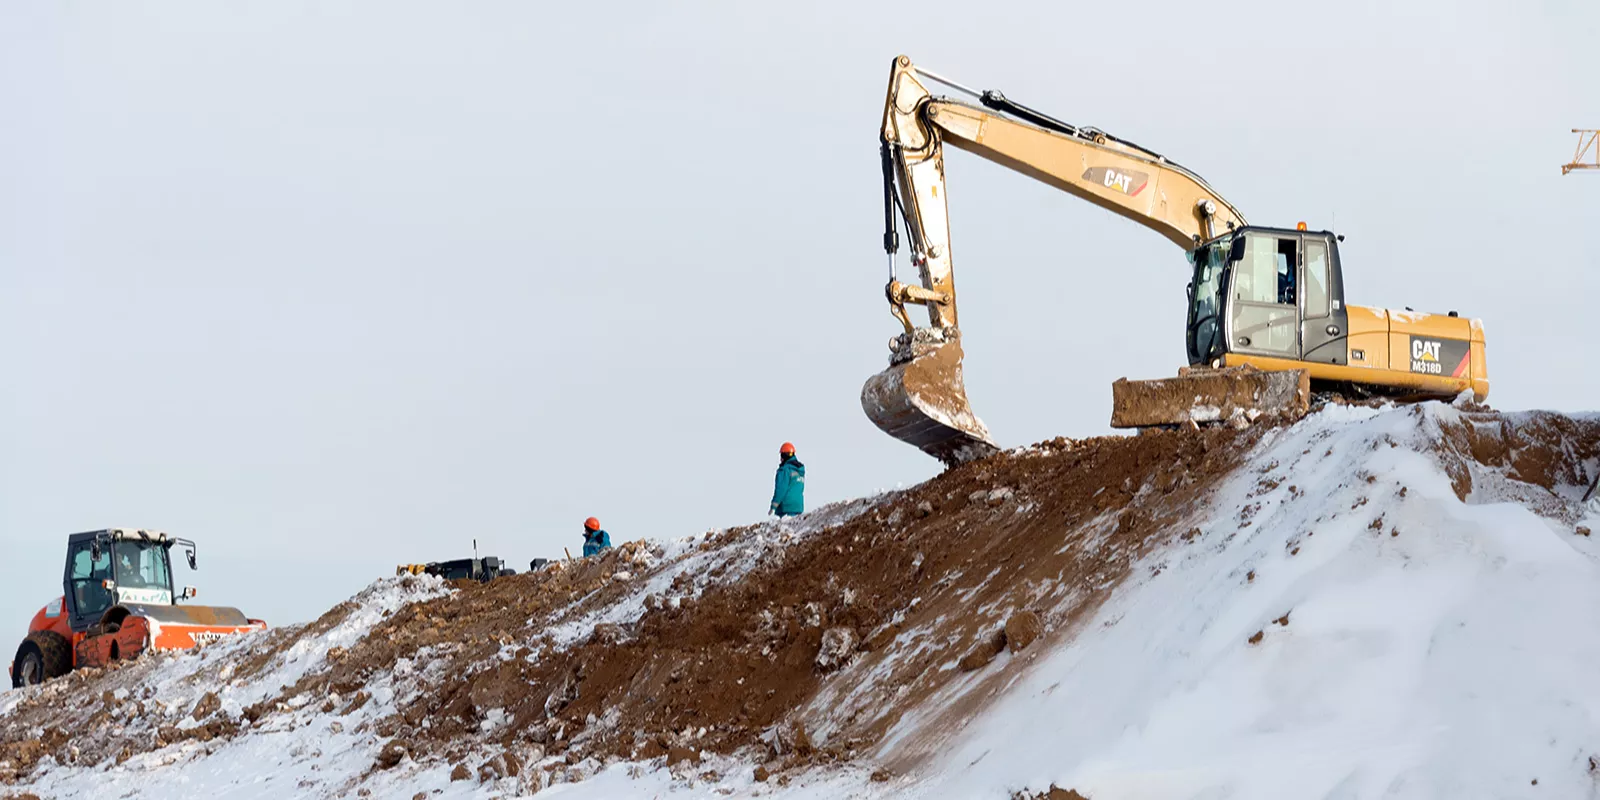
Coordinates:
<point>1267,318</point>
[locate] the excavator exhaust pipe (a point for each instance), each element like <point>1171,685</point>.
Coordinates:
<point>921,400</point>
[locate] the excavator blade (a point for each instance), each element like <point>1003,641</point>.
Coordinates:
<point>922,401</point>
<point>1197,396</point>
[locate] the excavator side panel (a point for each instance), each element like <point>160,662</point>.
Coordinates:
<point>1480,362</point>
<point>1368,339</point>
<point>1399,352</point>
<point>1381,381</point>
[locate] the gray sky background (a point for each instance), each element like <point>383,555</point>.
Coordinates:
<point>330,286</point>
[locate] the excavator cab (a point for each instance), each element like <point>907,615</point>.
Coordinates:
<point>1272,300</point>
<point>1267,292</point>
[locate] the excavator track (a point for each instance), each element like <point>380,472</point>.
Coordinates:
<point>921,400</point>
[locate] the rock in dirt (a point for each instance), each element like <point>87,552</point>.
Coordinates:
<point>680,754</point>
<point>924,509</point>
<point>1022,629</point>
<point>208,705</point>
<point>391,754</point>
<point>792,740</point>
<point>837,646</point>
<point>998,496</point>
<point>460,773</point>
<point>504,765</point>
<point>984,652</point>
<point>607,633</point>
<point>762,775</point>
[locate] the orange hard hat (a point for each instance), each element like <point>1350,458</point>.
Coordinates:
<point>592,524</point>
<point>787,449</point>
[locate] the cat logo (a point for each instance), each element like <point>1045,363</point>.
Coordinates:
<point>1128,182</point>
<point>1451,357</point>
<point>1424,350</point>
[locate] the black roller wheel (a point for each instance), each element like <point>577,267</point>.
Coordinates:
<point>42,656</point>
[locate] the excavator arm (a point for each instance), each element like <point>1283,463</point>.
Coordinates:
<point>921,398</point>
<point>1112,173</point>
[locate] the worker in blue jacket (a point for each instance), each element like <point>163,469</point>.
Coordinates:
<point>789,489</point>
<point>594,539</point>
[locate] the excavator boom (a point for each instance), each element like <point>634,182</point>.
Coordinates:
<point>921,399</point>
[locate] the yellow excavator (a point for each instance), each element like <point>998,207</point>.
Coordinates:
<point>1267,318</point>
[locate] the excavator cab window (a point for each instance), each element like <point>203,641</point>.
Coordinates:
<point>1262,296</point>
<point>1287,267</point>
<point>1316,288</point>
<point>1205,298</point>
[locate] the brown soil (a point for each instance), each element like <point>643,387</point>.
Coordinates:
<point>716,665</point>
<point>1052,794</point>
<point>956,580</point>
<point>721,671</point>
<point>1520,454</point>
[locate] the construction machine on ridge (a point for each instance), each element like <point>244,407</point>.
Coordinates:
<point>1267,318</point>
<point>118,601</point>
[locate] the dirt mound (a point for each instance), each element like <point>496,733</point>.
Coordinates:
<point>715,665</point>
<point>719,646</point>
<point>111,715</point>
<point>790,643</point>
<point>1511,457</point>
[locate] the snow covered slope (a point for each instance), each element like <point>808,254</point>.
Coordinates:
<point>1344,627</point>
<point>1374,602</point>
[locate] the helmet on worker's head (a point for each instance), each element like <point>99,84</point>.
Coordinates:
<point>591,524</point>
<point>786,450</point>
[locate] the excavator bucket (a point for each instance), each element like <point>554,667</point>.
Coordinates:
<point>921,400</point>
<point>1198,396</point>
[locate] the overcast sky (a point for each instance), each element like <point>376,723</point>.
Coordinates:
<point>330,286</point>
